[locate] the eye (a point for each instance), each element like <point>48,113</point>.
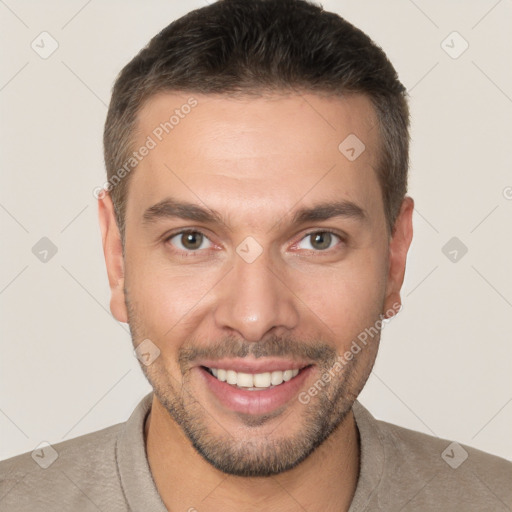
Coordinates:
<point>189,241</point>
<point>320,240</point>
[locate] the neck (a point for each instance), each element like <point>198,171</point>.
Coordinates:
<point>325,481</point>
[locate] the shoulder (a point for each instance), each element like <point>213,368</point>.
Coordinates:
<point>79,474</point>
<point>422,472</point>
<point>446,472</point>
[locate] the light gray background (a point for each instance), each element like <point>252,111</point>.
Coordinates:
<point>445,364</point>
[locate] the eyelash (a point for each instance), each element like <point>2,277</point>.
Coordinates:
<point>187,254</point>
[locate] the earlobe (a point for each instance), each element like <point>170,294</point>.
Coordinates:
<point>113,252</point>
<point>398,248</point>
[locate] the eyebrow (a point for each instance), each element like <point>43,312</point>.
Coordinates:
<point>171,208</point>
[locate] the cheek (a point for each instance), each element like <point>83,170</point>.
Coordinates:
<point>167,298</point>
<point>346,298</point>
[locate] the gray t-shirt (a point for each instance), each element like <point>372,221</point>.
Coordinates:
<point>401,470</point>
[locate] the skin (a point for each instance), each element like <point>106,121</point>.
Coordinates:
<point>255,161</point>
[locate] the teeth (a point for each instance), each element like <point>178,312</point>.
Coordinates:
<point>254,381</point>
<point>244,380</point>
<point>276,378</point>
<point>262,380</point>
<point>287,375</point>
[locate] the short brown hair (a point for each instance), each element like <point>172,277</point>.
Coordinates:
<point>257,47</point>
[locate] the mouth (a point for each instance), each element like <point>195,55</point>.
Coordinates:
<point>251,392</point>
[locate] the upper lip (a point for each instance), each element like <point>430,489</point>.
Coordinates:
<point>255,365</point>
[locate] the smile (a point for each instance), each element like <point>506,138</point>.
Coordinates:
<point>254,393</point>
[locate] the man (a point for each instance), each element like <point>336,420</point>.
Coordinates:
<point>255,226</point>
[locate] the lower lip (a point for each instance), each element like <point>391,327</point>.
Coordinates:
<point>255,402</point>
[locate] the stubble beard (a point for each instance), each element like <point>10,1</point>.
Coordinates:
<point>257,455</point>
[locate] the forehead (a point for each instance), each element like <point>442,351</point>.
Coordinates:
<point>256,154</point>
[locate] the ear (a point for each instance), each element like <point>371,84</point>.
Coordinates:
<point>398,248</point>
<point>113,251</point>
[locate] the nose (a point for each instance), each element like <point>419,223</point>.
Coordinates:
<point>254,298</point>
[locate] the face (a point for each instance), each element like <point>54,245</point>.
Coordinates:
<point>256,254</point>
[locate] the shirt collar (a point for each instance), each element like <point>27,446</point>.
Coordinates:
<point>371,458</point>
<point>132,462</point>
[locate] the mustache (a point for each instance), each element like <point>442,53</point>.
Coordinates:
<point>316,351</point>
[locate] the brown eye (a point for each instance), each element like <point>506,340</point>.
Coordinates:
<point>321,240</point>
<point>189,240</point>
